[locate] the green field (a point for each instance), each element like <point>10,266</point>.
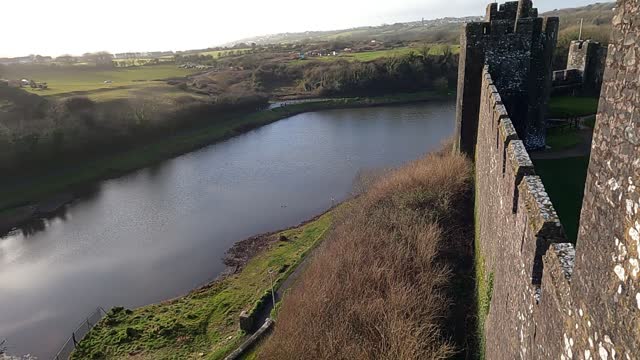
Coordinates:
<point>436,49</point>
<point>223,53</point>
<point>559,139</point>
<point>564,181</point>
<point>205,321</point>
<point>69,79</point>
<point>572,106</point>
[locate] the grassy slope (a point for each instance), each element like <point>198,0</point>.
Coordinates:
<point>42,186</point>
<point>571,106</point>
<point>380,285</point>
<point>88,78</point>
<point>559,139</point>
<point>564,180</point>
<point>206,320</point>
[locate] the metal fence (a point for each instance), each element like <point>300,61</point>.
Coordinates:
<point>79,333</point>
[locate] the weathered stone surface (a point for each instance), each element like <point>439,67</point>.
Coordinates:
<point>517,46</point>
<point>246,322</point>
<point>606,282</point>
<point>588,57</point>
<point>551,300</point>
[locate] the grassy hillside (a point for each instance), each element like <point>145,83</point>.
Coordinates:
<point>386,284</point>
<point>597,18</point>
<point>204,323</point>
<point>441,31</point>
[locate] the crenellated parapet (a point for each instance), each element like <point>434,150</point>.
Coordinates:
<point>520,238</point>
<point>517,45</point>
<point>551,300</point>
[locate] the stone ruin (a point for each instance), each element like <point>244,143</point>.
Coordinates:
<point>551,299</point>
<point>585,69</point>
<point>517,46</point>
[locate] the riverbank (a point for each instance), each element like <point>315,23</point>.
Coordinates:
<point>204,323</point>
<point>395,278</point>
<point>32,193</point>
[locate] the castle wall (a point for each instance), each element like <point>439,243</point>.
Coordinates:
<point>517,46</point>
<point>606,288</point>
<point>588,57</point>
<point>516,225</point>
<point>549,300</point>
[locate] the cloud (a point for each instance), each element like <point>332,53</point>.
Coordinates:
<point>73,26</point>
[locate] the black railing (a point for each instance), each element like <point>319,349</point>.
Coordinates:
<point>79,333</point>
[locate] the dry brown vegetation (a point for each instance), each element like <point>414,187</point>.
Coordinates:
<point>382,285</point>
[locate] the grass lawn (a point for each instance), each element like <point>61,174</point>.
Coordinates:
<point>159,91</point>
<point>559,139</point>
<point>71,79</point>
<point>564,181</point>
<point>572,106</point>
<point>206,320</point>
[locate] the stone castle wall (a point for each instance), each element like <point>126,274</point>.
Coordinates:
<point>516,225</point>
<point>549,300</point>
<point>517,45</point>
<point>586,58</point>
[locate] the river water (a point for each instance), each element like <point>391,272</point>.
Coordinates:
<point>159,232</point>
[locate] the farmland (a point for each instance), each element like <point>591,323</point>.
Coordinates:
<point>223,53</point>
<point>363,56</point>
<point>81,78</point>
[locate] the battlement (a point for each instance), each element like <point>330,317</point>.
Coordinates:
<point>520,235</point>
<point>511,11</point>
<point>517,45</point>
<point>558,301</point>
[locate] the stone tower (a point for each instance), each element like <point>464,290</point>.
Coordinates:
<point>588,57</point>
<point>517,46</point>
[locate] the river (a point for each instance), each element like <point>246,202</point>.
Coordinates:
<point>159,232</point>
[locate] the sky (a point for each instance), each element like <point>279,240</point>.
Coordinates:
<point>56,27</point>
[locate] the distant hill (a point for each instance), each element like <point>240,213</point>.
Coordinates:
<point>597,18</point>
<point>596,22</point>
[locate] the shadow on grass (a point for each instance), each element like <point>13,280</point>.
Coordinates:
<point>564,181</point>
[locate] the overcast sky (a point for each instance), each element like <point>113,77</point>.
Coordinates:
<point>55,27</point>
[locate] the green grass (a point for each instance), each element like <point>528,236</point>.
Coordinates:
<point>436,49</point>
<point>222,53</point>
<point>564,181</point>
<point>572,106</point>
<point>559,139</point>
<point>71,79</point>
<point>39,187</point>
<point>206,320</point>
<point>157,91</point>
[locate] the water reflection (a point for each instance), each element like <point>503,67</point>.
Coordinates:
<point>50,212</point>
<point>159,232</point>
